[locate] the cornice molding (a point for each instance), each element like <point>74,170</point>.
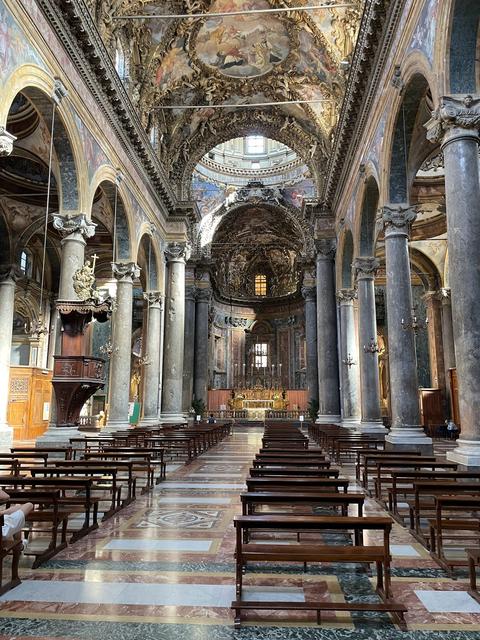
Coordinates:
<point>377,31</point>
<point>75,28</point>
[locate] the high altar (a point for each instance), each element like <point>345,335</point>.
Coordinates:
<point>257,401</point>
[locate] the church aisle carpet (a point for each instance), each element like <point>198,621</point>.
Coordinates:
<point>163,569</point>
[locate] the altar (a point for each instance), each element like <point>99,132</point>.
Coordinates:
<point>257,401</point>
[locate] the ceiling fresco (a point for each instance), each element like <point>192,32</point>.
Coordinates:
<point>233,60</point>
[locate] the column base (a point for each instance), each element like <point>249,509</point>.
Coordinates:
<point>6,437</point>
<point>328,419</point>
<point>116,425</point>
<point>467,453</point>
<point>172,418</point>
<point>372,427</point>
<point>58,436</point>
<point>149,422</point>
<point>350,423</point>
<point>407,438</point>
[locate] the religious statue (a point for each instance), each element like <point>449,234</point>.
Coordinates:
<point>84,281</point>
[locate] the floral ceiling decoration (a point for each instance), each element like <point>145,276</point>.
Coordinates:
<point>236,60</point>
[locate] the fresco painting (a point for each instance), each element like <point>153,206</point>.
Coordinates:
<point>94,154</point>
<point>14,46</point>
<point>175,65</point>
<point>242,46</point>
<point>206,194</point>
<point>295,195</point>
<point>424,35</point>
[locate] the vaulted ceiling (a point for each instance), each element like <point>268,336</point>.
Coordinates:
<point>233,60</point>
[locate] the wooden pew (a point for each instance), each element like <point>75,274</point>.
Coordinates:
<point>307,552</point>
<point>297,484</point>
<point>75,495</point>
<point>260,463</point>
<point>155,456</point>
<point>293,472</point>
<point>370,460</point>
<point>361,453</point>
<point>473,555</point>
<point>384,471</point>
<point>423,503</point>
<point>443,526</point>
<point>53,452</point>
<point>14,548</point>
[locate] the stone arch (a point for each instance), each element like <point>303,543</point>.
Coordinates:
<point>294,137</point>
<point>38,87</point>
<point>346,259</point>
<point>105,179</point>
<point>463,48</point>
<point>367,225</point>
<point>423,267</point>
<point>408,144</point>
<point>147,257</point>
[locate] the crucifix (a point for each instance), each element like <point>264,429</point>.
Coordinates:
<point>94,258</point>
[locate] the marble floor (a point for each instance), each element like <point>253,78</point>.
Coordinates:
<point>163,569</point>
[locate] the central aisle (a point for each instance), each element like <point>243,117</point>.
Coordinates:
<point>163,569</point>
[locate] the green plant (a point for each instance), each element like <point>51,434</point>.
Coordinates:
<point>198,407</point>
<point>312,409</point>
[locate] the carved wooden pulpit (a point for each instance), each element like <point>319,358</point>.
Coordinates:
<point>77,376</point>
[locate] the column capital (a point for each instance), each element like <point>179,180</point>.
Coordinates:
<point>10,272</point>
<point>190,292</point>
<point>346,296</point>
<point>6,142</point>
<point>326,248</point>
<point>366,267</point>
<point>73,223</point>
<point>203,294</point>
<point>309,293</point>
<point>397,218</point>
<point>177,251</point>
<point>154,299</point>
<point>125,271</point>
<point>460,113</point>
<point>444,295</point>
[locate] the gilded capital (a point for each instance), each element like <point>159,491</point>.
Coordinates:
<point>326,248</point>
<point>309,293</point>
<point>458,113</point>
<point>346,295</point>
<point>177,251</point>
<point>366,267</point>
<point>125,271</point>
<point>6,142</point>
<point>398,217</point>
<point>73,223</point>
<point>154,298</point>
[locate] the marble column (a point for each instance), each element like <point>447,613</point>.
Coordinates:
<point>328,380</point>
<point>406,422</point>
<point>9,274</point>
<point>151,370</point>
<point>350,382</point>
<point>119,385</point>
<point>448,342</point>
<point>203,296</point>
<point>371,421</point>
<point>74,229</point>
<point>456,124</point>
<point>176,253</point>
<point>310,295</point>
<point>189,348</point>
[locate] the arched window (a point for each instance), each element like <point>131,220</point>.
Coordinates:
<point>261,355</point>
<point>26,263</point>
<point>260,284</point>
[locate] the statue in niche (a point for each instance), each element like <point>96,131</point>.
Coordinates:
<point>84,282</point>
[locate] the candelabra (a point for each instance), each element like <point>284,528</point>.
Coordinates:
<point>349,361</point>
<point>372,347</point>
<point>414,324</point>
<point>36,328</point>
<point>108,349</point>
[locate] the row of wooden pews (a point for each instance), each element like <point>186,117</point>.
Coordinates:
<point>289,480</point>
<point>93,478</point>
<point>437,502</point>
